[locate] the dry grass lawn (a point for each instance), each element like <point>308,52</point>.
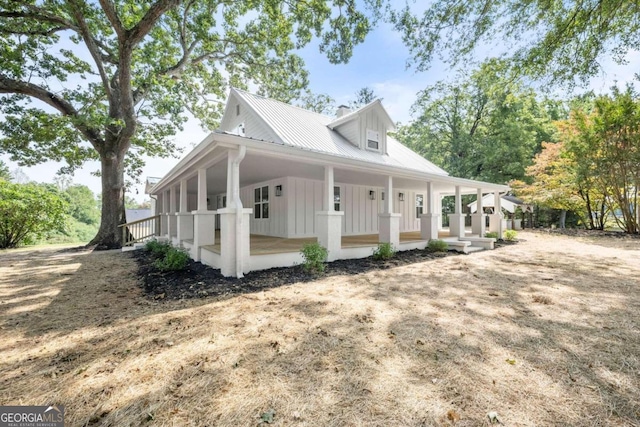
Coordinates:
<point>543,333</point>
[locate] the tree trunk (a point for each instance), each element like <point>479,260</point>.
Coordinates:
<point>563,218</point>
<point>109,235</point>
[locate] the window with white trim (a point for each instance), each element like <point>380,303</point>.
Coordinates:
<point>373,140</point>
<point>336,199</point>
<point>261,202</point>
<point>419,205</point>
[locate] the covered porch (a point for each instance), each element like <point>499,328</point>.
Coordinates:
<point>241,205</point>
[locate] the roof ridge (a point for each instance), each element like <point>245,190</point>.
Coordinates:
<point>282,102</point>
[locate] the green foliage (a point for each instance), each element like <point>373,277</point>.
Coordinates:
<point>5,173</point>
<point>364,96</point>
<point>320,103</point>
<point>82,204</point>
<point>384,251</point>
<point>116,80</point>
<point>314,257</point>
<point>174,259</point>
<point>28,212</point>
<point>157,248</point>
<point>560,41</point>
<point>491,234</point>
<point>486,126</point>
<point>510,235</point>
<point>437,245</point>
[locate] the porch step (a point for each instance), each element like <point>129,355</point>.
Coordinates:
<point>457,245</point>
<point>133,247</point>
<point>474,249</point>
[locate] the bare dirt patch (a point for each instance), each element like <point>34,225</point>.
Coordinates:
<point>439,342</point>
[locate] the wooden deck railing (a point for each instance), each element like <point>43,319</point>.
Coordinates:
<point>137,231</point>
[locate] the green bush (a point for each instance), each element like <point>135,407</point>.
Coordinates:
<point>510,235</point>
<point>436,245</point>
<point>491,234</point>
<point>175,259</point>
<point>314,257</point>
<point>384,251</point>
<point>157,248</point>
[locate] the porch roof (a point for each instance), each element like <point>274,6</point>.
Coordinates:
<point>214,146</point>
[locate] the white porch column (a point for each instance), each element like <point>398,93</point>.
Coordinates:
<point>328,221</point>
<point>163,209</point>
<point>204,221</point>
<point>439,210</point>
<point>389,222</point>
<point>430,220</point>
<point>173,224</point>
<point>495,219</point>
<point>234,222</point>
<point>478,220</point>
<point>184,217</point>
<point>456,219</point>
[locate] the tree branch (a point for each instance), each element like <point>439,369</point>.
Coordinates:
<point>112,15</point>
<point>142,28</point>
<point>8,85</point>
<point>92,46</point>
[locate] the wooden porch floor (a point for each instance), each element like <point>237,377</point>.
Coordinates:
<point>263,245</point>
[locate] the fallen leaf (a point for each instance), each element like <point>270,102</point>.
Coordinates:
<point>267,417</point>
<point>453,415</point>
<point>511,361</point>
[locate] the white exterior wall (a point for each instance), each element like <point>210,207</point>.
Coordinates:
<point>372,121</point>
<point>276,224</point>
<point>253,127</point>
<point>294,213</point>
<point>350,132</point>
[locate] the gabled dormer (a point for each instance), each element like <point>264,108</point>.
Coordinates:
<point>365,128</point>
<point>240,118</point>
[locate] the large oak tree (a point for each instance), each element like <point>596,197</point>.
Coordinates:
<point>113,80</point>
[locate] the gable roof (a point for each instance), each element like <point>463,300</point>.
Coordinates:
<point>374,105</point>
<point>311,131</point>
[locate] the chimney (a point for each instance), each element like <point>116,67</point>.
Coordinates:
<point>342,111</point>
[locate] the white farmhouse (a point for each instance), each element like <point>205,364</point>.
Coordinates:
<point>275,176</point>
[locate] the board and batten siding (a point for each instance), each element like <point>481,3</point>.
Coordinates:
<point>293,214</point>
<point>253,127</point>
<point>371,120</point>
<point>276,224</point>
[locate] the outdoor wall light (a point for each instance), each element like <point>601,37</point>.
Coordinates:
<point>401,197</point>
<point>278,190</point>
<point>383,195</point>
<point>372,194</point>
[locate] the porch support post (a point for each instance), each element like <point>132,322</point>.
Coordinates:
<point>164,219</point>
<point>234,222</point>
<point>185,219</point>
<point>439,211</point>
<point>173,224</point>
<point>478,220</point>
<point>204,221</point>
<point>389,222</point>
<point>430,220</point>
<point>328,221</point>
<point>456,219</point>
<point>495,220</point>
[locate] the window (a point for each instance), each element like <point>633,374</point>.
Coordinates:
<point>419,205</point>
<point>373,140</point>
<point>261,203</point>
<point>336,199</point>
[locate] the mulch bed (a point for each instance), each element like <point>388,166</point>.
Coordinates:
<point>201,281</point>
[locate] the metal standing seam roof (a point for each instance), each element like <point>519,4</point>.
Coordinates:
<point>308,130</point>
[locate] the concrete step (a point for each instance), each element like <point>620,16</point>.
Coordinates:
<point>474,249</point>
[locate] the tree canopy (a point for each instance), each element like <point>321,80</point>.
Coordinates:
<point>113,80</point>
<point>559,40</point>
<point>486,126</point>
<point>28,211</point>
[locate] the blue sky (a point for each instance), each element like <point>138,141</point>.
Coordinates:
<point>378,63</point>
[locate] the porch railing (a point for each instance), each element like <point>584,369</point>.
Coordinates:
<point>137,231</point>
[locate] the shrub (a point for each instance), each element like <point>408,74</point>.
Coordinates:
<point>384,251</point>
<point>157,248</point>
<point>510,235</point>
<point>491,234</point>
<point>175,259</point>
<point>314,257</point>
<point>436,245</point>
